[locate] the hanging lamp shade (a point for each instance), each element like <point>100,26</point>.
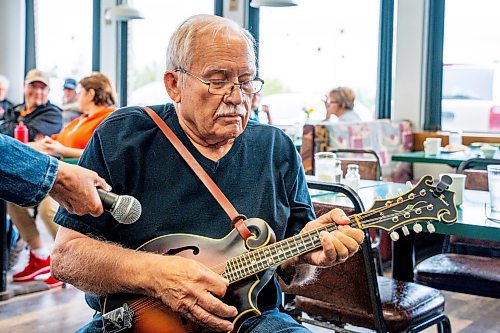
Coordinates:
<point>122,12</point>
<point>273,3</point>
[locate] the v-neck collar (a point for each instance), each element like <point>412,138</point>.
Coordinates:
<point>173,121</point>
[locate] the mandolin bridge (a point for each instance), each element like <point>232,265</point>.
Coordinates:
<point>118,320</point>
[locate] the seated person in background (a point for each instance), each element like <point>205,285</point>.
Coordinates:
<point>260,114</point>
<point>5,104</point>
<point>97,99</point>
<point>210,77</point>
<point>70,105</point>
<point>37,113</point>
<point>340,103</point>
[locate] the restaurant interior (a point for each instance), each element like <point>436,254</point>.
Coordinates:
<point>393,107</point>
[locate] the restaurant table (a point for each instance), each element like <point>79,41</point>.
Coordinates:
<point>71,160</point>
<point>471,222</point>
<point>452,159</point>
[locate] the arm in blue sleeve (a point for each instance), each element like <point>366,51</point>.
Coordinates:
<point>26,176</point>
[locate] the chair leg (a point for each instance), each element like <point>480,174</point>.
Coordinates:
<point>441,321</point>
<point>445,325</point>
<point>379,266</point>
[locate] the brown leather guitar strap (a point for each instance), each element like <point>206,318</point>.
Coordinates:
<point>236,218</point>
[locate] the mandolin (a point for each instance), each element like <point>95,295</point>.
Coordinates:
<point>249,265</point>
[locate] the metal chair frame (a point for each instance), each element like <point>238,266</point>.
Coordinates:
<point>364,151</point>
<point>367,251</point>
<point>476,162</point>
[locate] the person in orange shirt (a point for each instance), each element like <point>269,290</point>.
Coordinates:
<point>97,100</point>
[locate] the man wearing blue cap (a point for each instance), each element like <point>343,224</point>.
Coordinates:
<point>70,104</point>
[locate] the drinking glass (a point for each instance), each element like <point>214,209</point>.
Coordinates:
<point>324,166</point>
<point>494,187</point>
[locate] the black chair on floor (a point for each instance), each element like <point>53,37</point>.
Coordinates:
<point>369,169</point>
<point>467,265</point>
<point>476,163</point>
<point>352,293</point>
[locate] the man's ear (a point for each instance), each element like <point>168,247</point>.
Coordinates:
<point>170,79</point>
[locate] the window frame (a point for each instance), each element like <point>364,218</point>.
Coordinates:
<point>385,54</point>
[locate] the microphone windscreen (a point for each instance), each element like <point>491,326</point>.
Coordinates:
<point>127,209</point>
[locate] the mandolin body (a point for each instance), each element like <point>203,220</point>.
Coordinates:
<point>148,315</point>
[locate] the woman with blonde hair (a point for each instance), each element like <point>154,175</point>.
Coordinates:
<point>97,100</point>
<point>340,103</point>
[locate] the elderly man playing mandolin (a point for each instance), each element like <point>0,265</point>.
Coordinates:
<point>184,266</point>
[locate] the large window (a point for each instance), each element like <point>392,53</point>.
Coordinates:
<point>307,50</point>
<point>148,40</point>
<point>471,72</point>
<point>63,41</point>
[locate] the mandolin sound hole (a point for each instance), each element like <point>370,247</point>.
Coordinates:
<point>173,252</point>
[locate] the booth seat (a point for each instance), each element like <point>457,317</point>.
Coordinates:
<point>384,136</point>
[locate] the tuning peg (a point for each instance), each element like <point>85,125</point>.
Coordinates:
<point>394,235</point>
<point>406,232</point>
<point>410,185</point>
<point>430,227</point>
<point>417,228</point>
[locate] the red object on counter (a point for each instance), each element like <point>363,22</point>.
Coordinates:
<point>21,132</point>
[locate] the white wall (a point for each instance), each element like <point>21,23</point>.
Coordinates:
<point>409,79</point>
<point>12,32</point>
<point>410,62</point>
<point>108,43</point>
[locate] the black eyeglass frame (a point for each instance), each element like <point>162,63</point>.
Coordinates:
<point>230,90</point>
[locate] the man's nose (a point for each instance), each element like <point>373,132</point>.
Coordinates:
<point>235,95</point>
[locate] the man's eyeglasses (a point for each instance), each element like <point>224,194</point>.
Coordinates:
<point>36,86</point>
<point>224,87</point>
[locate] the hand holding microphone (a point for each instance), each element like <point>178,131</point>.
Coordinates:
<point>78,190</point>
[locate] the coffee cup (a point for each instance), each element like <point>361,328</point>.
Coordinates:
<point>488,151</point>
<point>432,146</point>
<point>457,186</point>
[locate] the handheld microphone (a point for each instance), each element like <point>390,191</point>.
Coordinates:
<point>124,208</point>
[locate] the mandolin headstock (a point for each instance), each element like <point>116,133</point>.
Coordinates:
<point>423,202</point>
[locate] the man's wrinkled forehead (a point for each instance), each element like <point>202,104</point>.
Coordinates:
<point>227,43</point>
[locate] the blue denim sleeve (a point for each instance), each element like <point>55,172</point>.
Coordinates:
<point>26,176</point>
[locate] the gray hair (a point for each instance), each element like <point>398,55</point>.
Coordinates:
<point>180,48</point>
<point>4,81</point>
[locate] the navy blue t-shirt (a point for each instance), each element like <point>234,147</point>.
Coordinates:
<point>261,175</point>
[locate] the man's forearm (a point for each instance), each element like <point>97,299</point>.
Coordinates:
<point>102,268</point>
<point>295,272</point>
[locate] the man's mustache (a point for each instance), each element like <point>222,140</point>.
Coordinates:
<point>234,110</point>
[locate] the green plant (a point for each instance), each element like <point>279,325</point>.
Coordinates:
<point>308,111</point>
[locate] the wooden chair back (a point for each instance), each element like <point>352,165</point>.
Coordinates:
<point>347,284</point>
<point>368,169</point>
<point>476,179</point>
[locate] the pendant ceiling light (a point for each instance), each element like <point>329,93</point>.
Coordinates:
<point>273,3</point>
<point>122,12</point>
